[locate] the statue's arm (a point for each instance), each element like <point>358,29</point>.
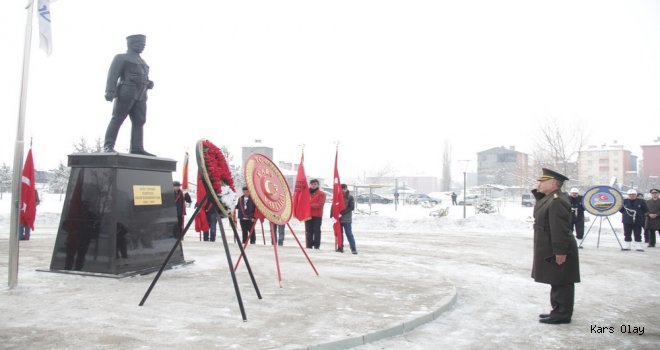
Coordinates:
<point>113,75</point>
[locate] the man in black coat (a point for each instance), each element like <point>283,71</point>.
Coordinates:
<point>346,219</point>
<point>577,212</point>
<point>244,212</point>
<point>127,84</point>
<point>555,250</point>
<point>653,216</point>
<point>180,200</point>
<point>633,216</point>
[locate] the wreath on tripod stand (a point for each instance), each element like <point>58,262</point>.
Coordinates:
<point>216,176</point>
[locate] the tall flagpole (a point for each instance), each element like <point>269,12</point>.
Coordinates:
<point>18,154</point>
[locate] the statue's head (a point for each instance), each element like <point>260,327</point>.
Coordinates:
<point>136,42</point>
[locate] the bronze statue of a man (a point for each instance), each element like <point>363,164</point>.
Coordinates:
<point>128,82</point>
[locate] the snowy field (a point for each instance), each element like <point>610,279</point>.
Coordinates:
<point>407,262</point>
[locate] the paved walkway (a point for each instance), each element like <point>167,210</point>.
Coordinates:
<point>356,299</point>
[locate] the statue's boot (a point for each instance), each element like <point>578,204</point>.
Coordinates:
<point>136,141</point>
<point>111,136</point>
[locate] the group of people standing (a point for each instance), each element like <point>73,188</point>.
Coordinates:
<point>638,215</point>
<point>313,225</point>
<point>244,216</point>
<point>556,216</point>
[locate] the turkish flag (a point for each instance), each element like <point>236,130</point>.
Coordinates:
<point>337,206</point>
<point>301,196</point>
<point>28,193</point>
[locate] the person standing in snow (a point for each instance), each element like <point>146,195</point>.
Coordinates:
<point>453,198</point>
<point>180,200</point>
<point>653,216</point>
<point>577,213</point>
<point>313,225</point>
<point>556,259</point>
<point>633,215</point>
<point>346,219</point>
<point>244,214</point>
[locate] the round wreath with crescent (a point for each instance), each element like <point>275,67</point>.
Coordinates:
<point>268,188</point>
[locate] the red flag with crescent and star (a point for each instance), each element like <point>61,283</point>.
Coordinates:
<point>28,193</point>
<point>338,206</point>
<point>301,196</point>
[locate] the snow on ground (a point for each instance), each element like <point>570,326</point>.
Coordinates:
<point>407,260</point>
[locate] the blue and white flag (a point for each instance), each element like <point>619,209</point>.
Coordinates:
<point>45,37</point>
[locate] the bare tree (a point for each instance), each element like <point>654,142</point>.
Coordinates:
<point>385,171</point>
<point>446,167</point>
<point>558,145</point>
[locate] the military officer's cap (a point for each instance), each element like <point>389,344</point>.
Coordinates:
<point>655,190</point>
<point>136,37</point>
<point>176,183</point>
<point>551,174</point>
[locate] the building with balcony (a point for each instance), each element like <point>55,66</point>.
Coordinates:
<point>601,165</point>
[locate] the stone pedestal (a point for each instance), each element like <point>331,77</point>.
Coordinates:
<point>118,217</point>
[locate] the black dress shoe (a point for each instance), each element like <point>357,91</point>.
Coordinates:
<point>544,315</point>
<point>109,150</point>
<point>552,320</point>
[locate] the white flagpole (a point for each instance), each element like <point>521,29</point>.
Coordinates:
<point>18,155</point>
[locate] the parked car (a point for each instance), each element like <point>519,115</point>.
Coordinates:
<point>470,199</point>
<point>528,200</point>
<point>418,198</point>
<point>375,198</point>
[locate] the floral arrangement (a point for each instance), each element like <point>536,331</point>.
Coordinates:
<point>219,174</point>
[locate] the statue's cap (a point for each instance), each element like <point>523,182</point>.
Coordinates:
<point>136,37</point>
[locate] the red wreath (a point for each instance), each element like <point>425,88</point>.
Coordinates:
<point>216,166</point>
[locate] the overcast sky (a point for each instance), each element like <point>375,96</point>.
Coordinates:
<point>389,80</point>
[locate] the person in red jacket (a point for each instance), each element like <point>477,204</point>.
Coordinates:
<point>313,225</point>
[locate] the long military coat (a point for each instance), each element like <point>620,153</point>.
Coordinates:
<point>654,208</point>
<point>552,236</point>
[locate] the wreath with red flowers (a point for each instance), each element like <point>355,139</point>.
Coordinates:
<point>216,175</point>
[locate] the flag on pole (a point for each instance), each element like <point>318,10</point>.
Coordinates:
<point>45,37</point>
<point>184,185</point>
<point>301,196</point>
<point>338,206</point>
<point>28,193</point>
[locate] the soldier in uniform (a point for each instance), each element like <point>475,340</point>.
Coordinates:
<point>555,250</point>
<point>653,216</point>
<point>577,213</point>
<point>128,81</point>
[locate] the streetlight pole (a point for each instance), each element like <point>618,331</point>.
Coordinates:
<point>465,163</point>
